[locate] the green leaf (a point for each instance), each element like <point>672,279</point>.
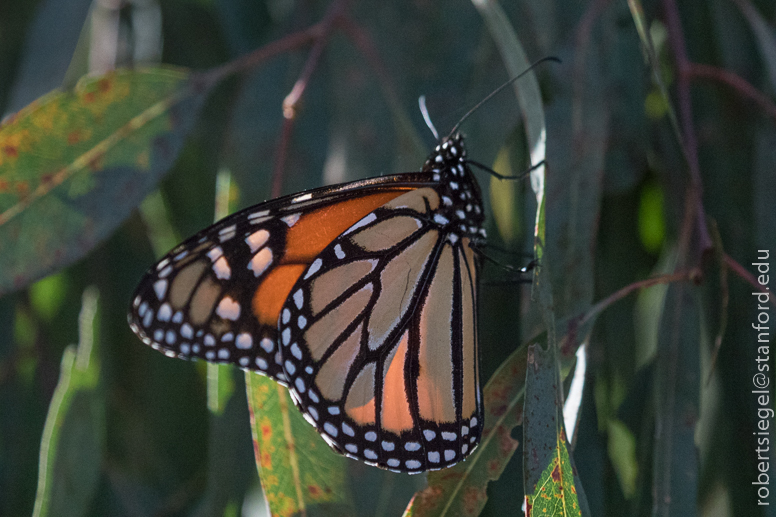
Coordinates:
<point>677,399</point>
<point>73,164</point>
<point>74,434</point>
<point>549,478</point>
<point>764,36</point>
<point>299,472</point>
<point>555,494</point>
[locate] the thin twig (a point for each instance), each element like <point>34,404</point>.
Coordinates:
<point>741,86</point>
<point>263,54</point>
<point>333,16</point>
<point>749,277</point>
<point>694,212</point>
<point>280,157</point>
<point>628,289</point>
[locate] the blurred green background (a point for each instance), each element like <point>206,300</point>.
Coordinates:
<point>136,442</point>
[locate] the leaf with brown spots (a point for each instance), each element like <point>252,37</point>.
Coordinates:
<point>548,472</point>
<point>555,494</point>
<point>299,473</point>
<point>74,164</point>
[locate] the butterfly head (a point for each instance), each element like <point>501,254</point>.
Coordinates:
<point>461,212</point>
<point>448,154</point>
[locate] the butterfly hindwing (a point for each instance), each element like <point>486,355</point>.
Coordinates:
<point>379,340</point>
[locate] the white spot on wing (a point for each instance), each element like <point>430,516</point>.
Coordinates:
<point>227,233</point>
<point>267,344</point>
<point>291,220</point>
<point>221,269</point>
<point>165,312</point>
<point>440,219</point>
<point>300,386</point>
<point>160,288</point>
<point>215,253</point>
<point>244,341</point>
<point>363,222</point>
<point>257,239</point>
<point>162,264</point>
<point>260,262</point>
<point>303,197</point>
<point>314,267</point>
<point>228,308</point>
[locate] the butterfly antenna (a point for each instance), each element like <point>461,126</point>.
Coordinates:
<point>426,117</point>
<point>497,90</point>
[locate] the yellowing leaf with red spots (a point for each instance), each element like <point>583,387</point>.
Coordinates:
<point>555,494</point>
<point>73,164</point>
<point>299,473</point>
<point>547,466</point>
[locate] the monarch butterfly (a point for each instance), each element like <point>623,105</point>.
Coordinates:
<point>361,298</point>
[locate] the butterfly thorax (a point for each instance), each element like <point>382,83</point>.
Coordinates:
<point>461,212</point>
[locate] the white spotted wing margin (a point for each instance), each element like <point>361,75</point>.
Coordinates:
<point>198,300</point>
<point>379,340</point>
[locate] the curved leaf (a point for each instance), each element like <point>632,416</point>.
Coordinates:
<point>74,434</point>
<point>73,164</point>
<point>298,471</point>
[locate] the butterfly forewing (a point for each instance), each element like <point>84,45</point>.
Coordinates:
<point>218,295</point>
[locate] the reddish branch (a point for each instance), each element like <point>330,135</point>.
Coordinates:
<point>694,216</point>
<point>741,86</point>
<point>749,277</point>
